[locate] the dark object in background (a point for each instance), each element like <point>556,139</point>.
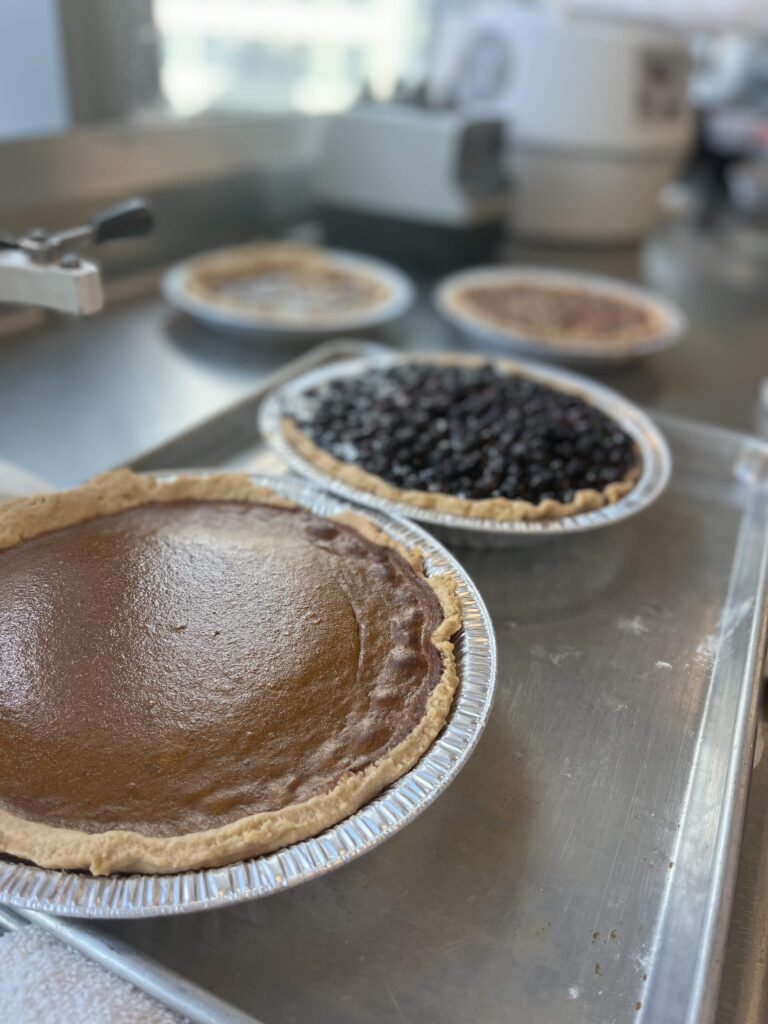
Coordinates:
<point>427,246</point>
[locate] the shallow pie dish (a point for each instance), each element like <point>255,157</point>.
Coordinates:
<point>290,402</point>
<point>78,893</point>
<point>191,286</point>
<point>666,322</point>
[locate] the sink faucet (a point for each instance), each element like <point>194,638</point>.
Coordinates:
<point>42,269</point>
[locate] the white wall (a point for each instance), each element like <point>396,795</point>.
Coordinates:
<point>33,95</point>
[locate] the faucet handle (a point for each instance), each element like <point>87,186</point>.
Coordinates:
<point>128,219</point>
<point>45,271</point>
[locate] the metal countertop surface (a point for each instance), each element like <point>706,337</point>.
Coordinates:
<point>79,397</point>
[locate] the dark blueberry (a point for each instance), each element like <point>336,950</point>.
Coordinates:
<point>471,431</point>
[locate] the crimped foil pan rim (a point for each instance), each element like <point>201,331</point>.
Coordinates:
<point>654,451</point>
<point>79,894</point>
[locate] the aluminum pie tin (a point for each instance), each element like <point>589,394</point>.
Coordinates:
<point>486,335</point>
<point>257,326</point>
<point>79,894</point>
<point>655,457</point>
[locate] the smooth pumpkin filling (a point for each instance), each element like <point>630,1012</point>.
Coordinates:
<point>174,667</point>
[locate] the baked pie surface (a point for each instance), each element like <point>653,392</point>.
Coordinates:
<point>559,314</point>
<point>198,671</point>
<point>286,284</point>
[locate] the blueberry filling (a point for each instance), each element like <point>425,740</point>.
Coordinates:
<point>473,432</point>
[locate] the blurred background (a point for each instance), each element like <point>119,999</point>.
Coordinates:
<point>625,137</point>
<point>570,117</point>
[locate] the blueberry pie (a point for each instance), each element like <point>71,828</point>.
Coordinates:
<point>195,671</point>
<point>467,438</point>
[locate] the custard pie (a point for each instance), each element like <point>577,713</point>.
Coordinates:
<point>286,284</point>
<point>194,671</point>
<point>565,315</point>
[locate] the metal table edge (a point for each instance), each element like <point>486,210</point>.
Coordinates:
<point>676,995</point>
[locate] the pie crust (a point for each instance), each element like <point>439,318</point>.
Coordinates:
<point>126,851</point>
<point>499,509</point>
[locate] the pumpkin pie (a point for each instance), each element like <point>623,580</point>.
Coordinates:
<point>195,671</point>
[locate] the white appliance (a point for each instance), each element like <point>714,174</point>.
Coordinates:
<point>402,179</point>
<point>602,123</point>
<point>600,115</point>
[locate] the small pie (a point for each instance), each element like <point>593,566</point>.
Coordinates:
<point>558,314</point>
<point>467,438</point>
<point>286,284</point>
<point>195,671</point>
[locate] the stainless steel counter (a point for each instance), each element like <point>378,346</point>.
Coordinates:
<point>80,396</point>
<point>744,986</point>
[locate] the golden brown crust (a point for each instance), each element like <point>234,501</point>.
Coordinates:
<point>120,850</point>
<point>499,509</point>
